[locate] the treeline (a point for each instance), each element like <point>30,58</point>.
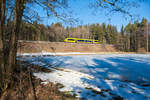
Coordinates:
<point>57,32</point>
<point>131,38</point>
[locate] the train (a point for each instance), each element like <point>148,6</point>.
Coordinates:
<point>78,40</point>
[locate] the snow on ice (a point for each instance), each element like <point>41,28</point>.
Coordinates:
<point>98,77</point>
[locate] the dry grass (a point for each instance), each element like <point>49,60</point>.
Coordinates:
<point>22,88</point>
<point>141,50</point>
<point>36,47</point>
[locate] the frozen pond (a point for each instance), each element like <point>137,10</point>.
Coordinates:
<point>92,77</point>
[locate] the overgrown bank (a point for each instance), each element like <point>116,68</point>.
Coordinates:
<point>27,87</point>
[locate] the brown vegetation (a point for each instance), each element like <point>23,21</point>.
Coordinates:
<point>26,87</point>
<point>141,50</point>
<point>37,47</point>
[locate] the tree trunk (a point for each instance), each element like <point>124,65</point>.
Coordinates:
<point>7,66</point>
<point>19,8</point>
<point>2,26</point>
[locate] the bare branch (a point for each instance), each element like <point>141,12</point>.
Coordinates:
<point>117,6</point>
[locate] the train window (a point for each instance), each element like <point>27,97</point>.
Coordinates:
<point>71,39</point>
<point>84,41</point>
<point>81,40</point>
<point>96,41</point>
<point>87,41</point>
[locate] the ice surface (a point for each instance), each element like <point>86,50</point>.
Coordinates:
<point>104,76</point>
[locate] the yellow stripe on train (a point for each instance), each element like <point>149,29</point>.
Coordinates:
<point>77,40</point>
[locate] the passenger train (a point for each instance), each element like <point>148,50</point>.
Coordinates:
<point>77,40</point>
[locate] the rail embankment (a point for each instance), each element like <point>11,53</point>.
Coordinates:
<point>42,46</point>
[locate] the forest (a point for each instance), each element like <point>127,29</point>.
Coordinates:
<point>130,38</point>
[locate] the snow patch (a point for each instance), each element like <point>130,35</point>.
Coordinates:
<point>69,78</point>
<point>99,77</point>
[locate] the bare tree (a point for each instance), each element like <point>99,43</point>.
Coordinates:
<point>14,13</point>
<point>111,7</point>
<point>2,26</point>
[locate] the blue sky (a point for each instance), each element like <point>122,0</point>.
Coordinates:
<point>84,13</point>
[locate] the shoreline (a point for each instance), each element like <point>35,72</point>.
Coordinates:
<point>73,53</point>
